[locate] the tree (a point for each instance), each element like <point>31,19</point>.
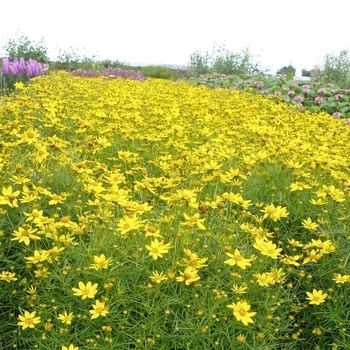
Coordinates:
<point>289,71</point>
<point>305,73</point>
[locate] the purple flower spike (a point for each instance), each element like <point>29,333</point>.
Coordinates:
<point>5,65</point>
<point>22,65</point>
<point>13,68</point>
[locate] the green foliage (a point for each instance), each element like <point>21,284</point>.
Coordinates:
<point>161,72</point>
<point>313,96</point>
<point>22,46</point>
<point>305,73</point>
<point>73,59</point>
<point>289,71</point>
<point>335,69</point>
<point>223,61</point>
<point>113,63</point>
<point>199,63</point>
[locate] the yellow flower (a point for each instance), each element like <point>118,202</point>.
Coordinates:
<point>8,276</point>
<point>267,248</point>
<point>128,223</point>
<point>100,262</point>
<point>239,289</point>
<point>157,277</point>
<point>275,213</point>
<point>24,235</point>
<point>298,186</point>
<point>240,338</point>
<point>71,347</point>
<point>99,309</point>
<point>66,318</point>
<point>238,259</point>
<point>30,136</point>
<point>157,249</point>
<point>194,220</point>
<point>188,276</point>
<point>338,278</point>
<point>39,256</point>
<point>9,197</point>
<point>240,311</point>
<point>86,291</point>
<point>316,297</point>
<point>310,225</point>
<point>28,320</point>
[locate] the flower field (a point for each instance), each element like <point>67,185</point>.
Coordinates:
<point>160,215</point>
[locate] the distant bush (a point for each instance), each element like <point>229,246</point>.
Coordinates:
<point>288,71</point>
<point>335,69</point>
<point>22,46</point>
<point>73,59</point>
<point>223,61</point>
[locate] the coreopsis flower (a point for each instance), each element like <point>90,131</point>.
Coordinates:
<point>30,136</point>
<point>70,347</point>
<point>194,260</point>
<point>291,259</point>
<point>267,248</point>
<point>85,291</point>
<point>317,297</point>
<point>41,153</point>
<point>100,262</point>
<point>28,320</point>
<point>275,213</point>
<point>65,317</point>
<point>128,223</point>
<point>238,259</point>
<point>38,257</point>
<point>24,235</point>
<point>98,309</point>
<point>8,197</point>
<point>241,312</point>
<point>193,220</point>
<point>239,289</point>
<point>157,277</point>
<point>312,256</point>
<point>157,249</point>
<point>309,224</point>
<point>341,279</point>
<point>188,276</point>
<point>299,186</point>
<point>8,276</point>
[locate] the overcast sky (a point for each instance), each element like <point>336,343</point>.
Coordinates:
<point>298,32</point>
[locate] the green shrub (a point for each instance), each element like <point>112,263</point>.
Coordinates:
<point>288,71</point>
<point>22,46</point>
<point>223,61</point>
<point>335,69</point>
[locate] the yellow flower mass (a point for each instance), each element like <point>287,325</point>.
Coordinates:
<point>165,200</point>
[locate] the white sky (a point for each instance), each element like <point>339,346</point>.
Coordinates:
<point>280,32</point>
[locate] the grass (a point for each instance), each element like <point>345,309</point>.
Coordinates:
<point>159,215</point>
